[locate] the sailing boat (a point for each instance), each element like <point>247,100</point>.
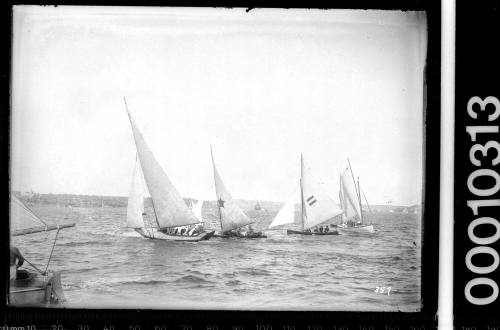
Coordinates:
<point>170,210</point>
<point>316,207</point>
<point>350,200</point>
<point>32,286</point>
<point>231,217</point>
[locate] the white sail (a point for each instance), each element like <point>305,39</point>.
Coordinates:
<point>318,205</point>
<point>342,200</point>
<point>135,205</point>
<point>286,214</point>
<point>23,221</point>
<point>197,208</point>
<point>350,205</point>
<point>230,215</point>
<point>169,207</point>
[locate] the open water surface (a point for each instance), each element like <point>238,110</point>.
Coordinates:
<point>106,265</point>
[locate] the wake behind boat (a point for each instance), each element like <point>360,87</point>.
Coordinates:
<point>350,200</point>
<point>231,217</point>
<point>29,285</point>
<point>173,219</point>
<point>316,207</point>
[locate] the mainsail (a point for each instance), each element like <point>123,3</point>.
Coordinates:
<point>197,208</point>
<point>230,215</point>
<point>350,199</point>
<point>317,205</point>
<point>135,205</point>
<point>169,207</point>
<point>23,221</point>
<point>286,214</point>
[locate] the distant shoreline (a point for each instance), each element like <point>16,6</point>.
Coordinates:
<point>71,200</point>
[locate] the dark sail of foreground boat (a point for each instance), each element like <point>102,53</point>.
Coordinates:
<point>170,210</point>
<point>32,286</point>
<point>231,217</point>
<point>350,200</point>
<point>316,207</point>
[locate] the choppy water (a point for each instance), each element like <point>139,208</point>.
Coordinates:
<point>105,265</point>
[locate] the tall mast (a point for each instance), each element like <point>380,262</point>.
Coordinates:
<point>368,204</point>
<point>341,199</point>
<point>359,201</point>
<point>136,154</point>
<point>357,189</point>
<point>303,210</point>
<point>215,186</point>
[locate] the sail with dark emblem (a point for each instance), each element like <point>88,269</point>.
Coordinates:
<point>230,215</point>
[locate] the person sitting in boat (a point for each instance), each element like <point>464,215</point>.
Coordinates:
<point>320,229</point>
<point>247,231</point>
<point>16,261</point>
<point>193,231</point>
<point>198,229</point>
<point>327,229</point>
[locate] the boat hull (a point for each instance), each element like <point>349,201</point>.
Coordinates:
<point>357,229</point>
<point>156,234</point>
<point>36,290</point>
<point>297,232</point>
<point>225,235</point>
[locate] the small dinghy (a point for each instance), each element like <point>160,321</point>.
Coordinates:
<point>316,207</point>
<point>170,209</point>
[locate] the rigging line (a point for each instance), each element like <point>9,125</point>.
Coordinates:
<point>366,200</point>
<point>356,188</point>
<point>36,219</point>
<point>302,205</point>
<point>368,204</point>
<point>30,213</point>
<point>353,179</point>
<point>359,201</point>
<point>215,187</point>
<point>37,269</point>
<point>29,268</point>
<point>52,251</point>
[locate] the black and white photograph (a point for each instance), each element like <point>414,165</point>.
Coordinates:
<point>217,159</point>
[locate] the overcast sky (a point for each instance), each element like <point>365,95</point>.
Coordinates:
<point>260,87</point>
